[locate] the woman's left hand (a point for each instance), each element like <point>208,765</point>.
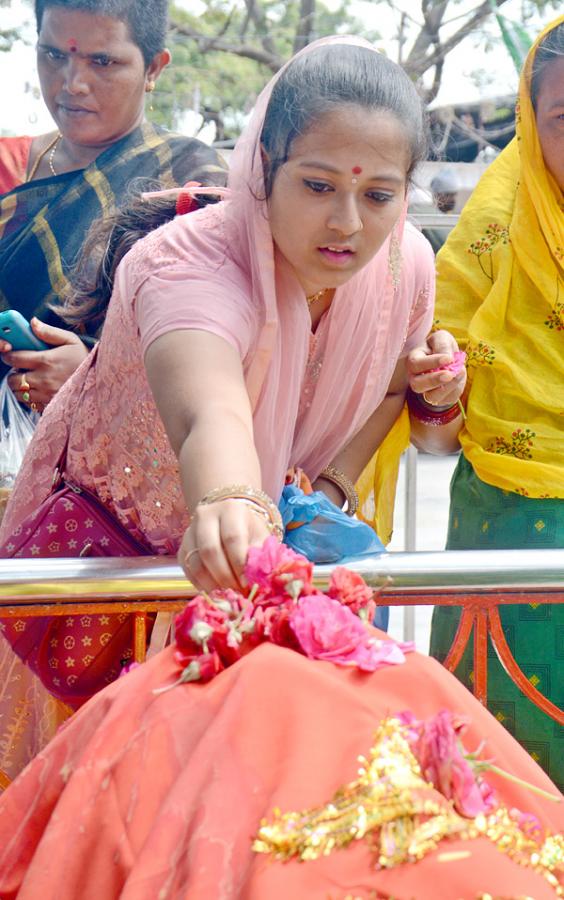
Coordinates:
<point>441,388</point>
<point>44,371</point>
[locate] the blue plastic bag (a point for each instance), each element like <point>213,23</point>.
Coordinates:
<point>327,534</point>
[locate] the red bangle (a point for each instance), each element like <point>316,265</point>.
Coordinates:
<point>428,415</point>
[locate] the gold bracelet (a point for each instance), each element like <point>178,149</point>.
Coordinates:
<point>252,495</point>
<point>344,484</point>
<point>262,513</point>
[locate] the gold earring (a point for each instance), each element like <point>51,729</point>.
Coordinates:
<point>150,86</point>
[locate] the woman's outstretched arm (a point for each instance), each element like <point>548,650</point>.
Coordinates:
<point>198,384</point>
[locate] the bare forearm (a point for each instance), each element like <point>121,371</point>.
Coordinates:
<point>436,439</point>
<point>356,455</point>
<point>203,460</point>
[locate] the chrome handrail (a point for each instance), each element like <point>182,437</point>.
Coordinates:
<point>479,581</point>
<point>25,582</point>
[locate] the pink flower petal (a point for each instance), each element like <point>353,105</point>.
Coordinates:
<point>456,366</point>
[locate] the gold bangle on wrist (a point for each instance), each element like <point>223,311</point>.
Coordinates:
<point>261,512</point>
<point>252,495</point>
<point>345,485</point>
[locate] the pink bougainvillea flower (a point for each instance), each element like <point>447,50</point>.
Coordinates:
<point>277,571</point>
<point>351,589</point>
<point>456,366</point>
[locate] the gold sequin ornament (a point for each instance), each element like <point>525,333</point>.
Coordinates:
<point>401,814</point>
<point>390,800</point>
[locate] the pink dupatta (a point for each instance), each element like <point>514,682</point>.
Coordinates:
<point>374,319</point>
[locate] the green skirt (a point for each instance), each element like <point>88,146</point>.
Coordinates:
<point>483,517</point>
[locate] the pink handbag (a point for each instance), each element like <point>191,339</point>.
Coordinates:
<point>74,656</point>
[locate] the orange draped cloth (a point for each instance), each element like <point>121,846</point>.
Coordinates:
<point>144,796</point>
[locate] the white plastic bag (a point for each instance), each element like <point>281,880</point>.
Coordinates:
<point>16,429</point>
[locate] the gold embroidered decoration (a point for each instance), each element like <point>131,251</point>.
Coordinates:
<point>395,260</point>
<point>402,816</point>
<point>405,816</point>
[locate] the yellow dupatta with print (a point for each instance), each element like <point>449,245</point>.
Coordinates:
<point>376,486</point>
<point>500,291</point>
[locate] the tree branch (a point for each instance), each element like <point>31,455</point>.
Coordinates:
<point>257,14</point>
<point>304,29</point>
<point>206,43</point>
<point>419,62</point>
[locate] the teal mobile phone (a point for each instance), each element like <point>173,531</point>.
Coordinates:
<point>15,329</point>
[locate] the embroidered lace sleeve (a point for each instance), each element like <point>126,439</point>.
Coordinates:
<point>170,291</point>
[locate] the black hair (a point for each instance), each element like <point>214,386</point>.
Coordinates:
<point>147,20</point>
<point>106,243</point>
<point>550,49</point>
<point>318,82</point>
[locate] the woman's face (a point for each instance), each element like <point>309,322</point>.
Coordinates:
<point>550,119</point>
<point>93,77</point>
<point>336,199</point>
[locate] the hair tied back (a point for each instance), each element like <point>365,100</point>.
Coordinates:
<point>186,195</point>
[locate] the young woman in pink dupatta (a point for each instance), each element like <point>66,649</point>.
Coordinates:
<point>275,325</point>
<point>276,329</point>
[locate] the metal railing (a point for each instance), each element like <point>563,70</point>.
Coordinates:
<point>478,581</point>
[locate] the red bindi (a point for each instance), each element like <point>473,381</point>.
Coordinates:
<point>356,170</point>
<point>72,45</point>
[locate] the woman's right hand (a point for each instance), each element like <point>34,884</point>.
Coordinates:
<point>45,371</point>
<point>215,545</point>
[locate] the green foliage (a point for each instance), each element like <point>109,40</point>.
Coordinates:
<point>226,83</point>
<point>221,85</point>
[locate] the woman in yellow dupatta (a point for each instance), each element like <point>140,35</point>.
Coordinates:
<point>500,291</point>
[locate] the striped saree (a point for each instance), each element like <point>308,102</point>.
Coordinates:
<point>43,223</point>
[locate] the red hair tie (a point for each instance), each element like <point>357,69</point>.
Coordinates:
<point>185,202</point>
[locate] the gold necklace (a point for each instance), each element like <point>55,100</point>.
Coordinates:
<point>313,297</point>
<point>52,154</point>
<point>50,149</point>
